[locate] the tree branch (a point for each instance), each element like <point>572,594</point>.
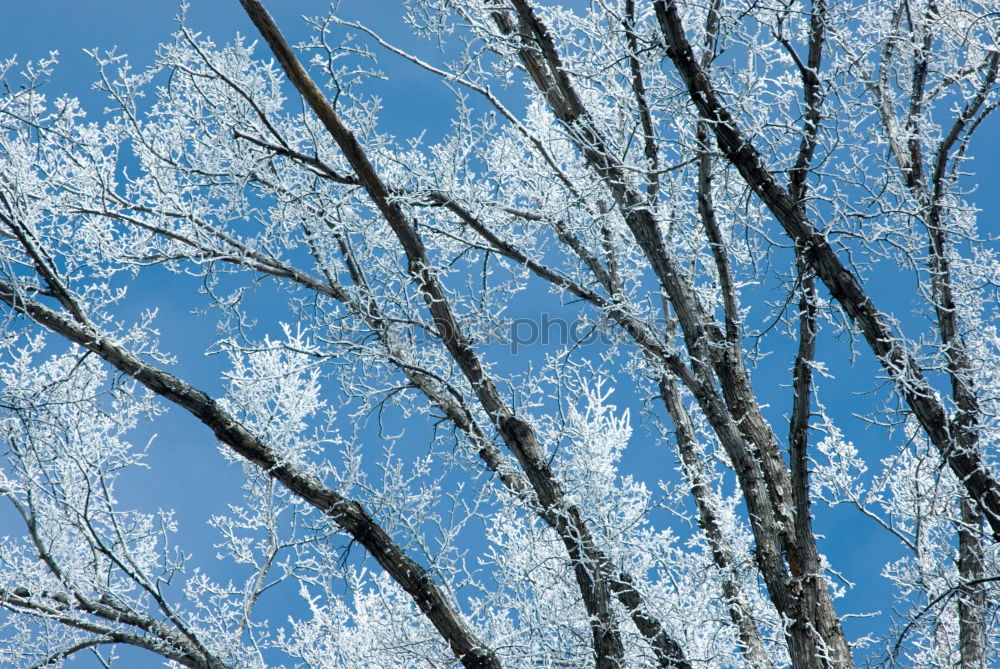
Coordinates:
<point>845,288</point>
<point>347,513</point>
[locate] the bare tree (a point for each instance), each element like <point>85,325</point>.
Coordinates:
<point>698,186</point>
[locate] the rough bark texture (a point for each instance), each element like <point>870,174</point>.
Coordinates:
<point>104,618</point>
<point>702,353</point>
<point>590,566</point>
<point>347,513</point>
<point>948,437</point>
<point>972,597</point>
<point>760,467</point>
<point>707,503</point>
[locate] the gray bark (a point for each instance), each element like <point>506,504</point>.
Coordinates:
<point>947,435</point>
<point>347,513</point>
<point>752,445</point>
<point>598,583</point>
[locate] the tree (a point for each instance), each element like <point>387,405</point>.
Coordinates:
<point>699,186</point>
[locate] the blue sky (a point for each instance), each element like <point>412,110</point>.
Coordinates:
<point>32,29</point>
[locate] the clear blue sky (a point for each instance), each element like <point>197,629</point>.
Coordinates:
<point>31,29</point>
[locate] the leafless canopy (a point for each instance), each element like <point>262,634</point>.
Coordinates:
<point>701,185</point>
